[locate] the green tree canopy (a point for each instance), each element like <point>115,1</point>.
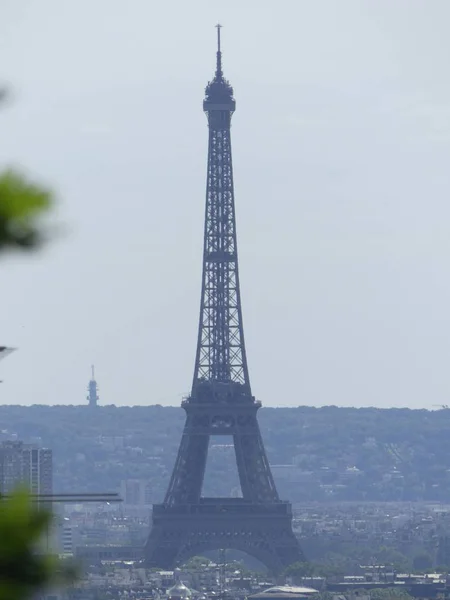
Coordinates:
<point>196,562</point>
<point>22,204</point>
<point>422,562</point>
<point>24,570</point>
<point>300,569</point>
<point>389,594</point>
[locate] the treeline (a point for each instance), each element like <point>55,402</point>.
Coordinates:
<point>342,453</point>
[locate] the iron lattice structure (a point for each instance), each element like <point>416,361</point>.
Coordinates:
<point>220,350</point>
<point>221,401</point>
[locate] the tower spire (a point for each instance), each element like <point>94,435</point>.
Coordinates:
<point>219,73</point>
<point>219,91</point>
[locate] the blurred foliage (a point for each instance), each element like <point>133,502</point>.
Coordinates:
<point>22,204</point>
<point>25,569</point>
<point>388,593</point>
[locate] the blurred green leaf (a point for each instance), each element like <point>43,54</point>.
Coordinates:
<point>24,568</point>
<point>22,204</point>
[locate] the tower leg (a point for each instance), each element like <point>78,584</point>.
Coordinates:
<point>189,471</point>
<point>256,479</point>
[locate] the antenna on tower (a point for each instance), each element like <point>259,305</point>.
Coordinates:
<point>219,73</point>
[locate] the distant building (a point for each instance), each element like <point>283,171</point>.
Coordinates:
<point>25,464</point>
<point>65,537</point>
<point>10,465</point>
<point>179,592</point>
<point>136,492</point>
<point>283,592</point>
<point>89,554</point>
<point>38,469</point>
<point>8,436</point>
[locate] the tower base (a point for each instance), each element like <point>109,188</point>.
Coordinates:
<point>262,531</point>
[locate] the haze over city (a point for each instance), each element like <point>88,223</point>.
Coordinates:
<point>341,146</point>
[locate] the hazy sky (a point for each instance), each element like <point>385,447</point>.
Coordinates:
<point>341,148</point>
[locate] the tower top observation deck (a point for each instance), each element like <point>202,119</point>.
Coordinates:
<point>218,92</point>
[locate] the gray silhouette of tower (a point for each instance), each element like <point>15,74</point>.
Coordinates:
<point>221,401</point>
<point>92,396</point>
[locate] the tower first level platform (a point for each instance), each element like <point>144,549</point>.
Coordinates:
<point>182,531</point>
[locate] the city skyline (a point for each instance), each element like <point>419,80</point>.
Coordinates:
<point>341,145</point>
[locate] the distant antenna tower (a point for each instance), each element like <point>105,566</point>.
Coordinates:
<point>92,390</point>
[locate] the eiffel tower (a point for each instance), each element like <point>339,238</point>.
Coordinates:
<point>221,401</point>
